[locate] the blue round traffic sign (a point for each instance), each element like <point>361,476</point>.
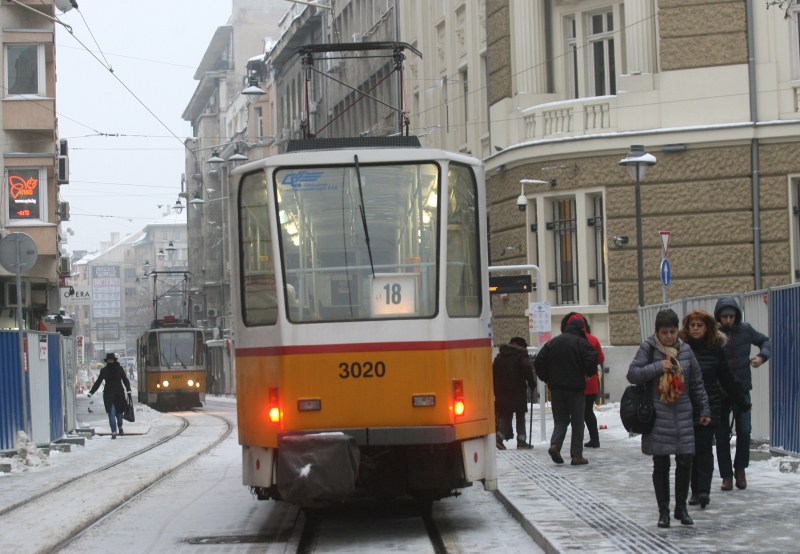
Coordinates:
<point>666,272</point>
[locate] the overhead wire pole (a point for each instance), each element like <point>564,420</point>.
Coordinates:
<point>541,298</point>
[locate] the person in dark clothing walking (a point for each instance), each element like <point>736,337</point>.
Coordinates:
<point>567,360</point>
<point>669,366</point>
<point>700,331</point>
<point>592,383</point>
<point>741,336</point>
<point>114,397</point>
<point>512,375</point>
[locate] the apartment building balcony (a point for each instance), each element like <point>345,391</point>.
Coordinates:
<point>569,118</point>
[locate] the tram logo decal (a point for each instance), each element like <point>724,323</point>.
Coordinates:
<point>297,180</point>
<point>306,181</point>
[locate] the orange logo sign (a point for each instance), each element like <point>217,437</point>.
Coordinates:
<point>21,186</point>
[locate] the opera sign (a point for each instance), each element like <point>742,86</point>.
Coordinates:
<point>23,201</point>
<point>71,296</point>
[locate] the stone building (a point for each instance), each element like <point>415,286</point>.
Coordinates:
<point>708,88</point>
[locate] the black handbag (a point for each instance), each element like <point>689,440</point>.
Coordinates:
<point>636,409</point>
<point>636,406</point>
<point>128,414</point>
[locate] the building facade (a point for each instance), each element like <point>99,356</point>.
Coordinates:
<point>34,160</point>
<point>224,123</point>
<point>709,89</point>
<point>112,293</point>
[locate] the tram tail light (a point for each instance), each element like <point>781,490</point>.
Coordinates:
<point>458,397</point>
<point>273,406</point>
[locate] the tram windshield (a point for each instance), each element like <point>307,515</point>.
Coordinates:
<point>359,242</point>
<point>175,349</point>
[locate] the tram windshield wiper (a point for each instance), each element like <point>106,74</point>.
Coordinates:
<point>363,214</point>
<point>177,357</point>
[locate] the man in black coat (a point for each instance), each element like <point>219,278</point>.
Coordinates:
<point>114,397</point>
<point>567,361</point>
<point>511,371</point>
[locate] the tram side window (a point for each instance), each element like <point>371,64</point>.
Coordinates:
<point>259,304</point>
<point>152,351</point>
<point>463,260</point>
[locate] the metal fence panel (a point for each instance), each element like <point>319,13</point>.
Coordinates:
<point>69,378</point>
<point>56,386</point>
<point>39,376</point>
<point>785,383</point>
<point>11,421</point>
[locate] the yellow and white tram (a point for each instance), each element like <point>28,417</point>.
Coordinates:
<point>362,326</point>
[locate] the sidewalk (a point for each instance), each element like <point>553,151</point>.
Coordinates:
<point>609,505</point>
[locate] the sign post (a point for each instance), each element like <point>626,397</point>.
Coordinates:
<point>666,268</point>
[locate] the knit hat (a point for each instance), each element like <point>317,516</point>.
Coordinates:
<point>727,311</point>
<point>111,357</point>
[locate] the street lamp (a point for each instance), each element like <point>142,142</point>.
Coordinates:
<point>637,163</point>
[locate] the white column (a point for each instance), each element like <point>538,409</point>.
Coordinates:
<point>528,46</point>
<point>639,36</point>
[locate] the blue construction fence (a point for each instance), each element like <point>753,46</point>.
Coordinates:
<point>776,384</point>
<point>38,398</point>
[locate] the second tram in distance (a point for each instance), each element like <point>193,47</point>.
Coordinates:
<point>171,370</point>
<point>361,316</point>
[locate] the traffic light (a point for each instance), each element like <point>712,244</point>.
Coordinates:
<point>509,284</point>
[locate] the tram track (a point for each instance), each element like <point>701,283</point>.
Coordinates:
<point>80,506</point>
<point>85,475</point>
<point>318,529</point>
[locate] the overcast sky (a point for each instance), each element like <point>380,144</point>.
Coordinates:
<point>154,48</point>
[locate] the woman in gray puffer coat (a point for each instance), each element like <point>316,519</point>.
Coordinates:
<point>676,380</point>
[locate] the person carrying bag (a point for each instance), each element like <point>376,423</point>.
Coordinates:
<point>117,384</point>
<point>677,394</point>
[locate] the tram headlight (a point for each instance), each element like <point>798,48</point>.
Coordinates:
<point>190,383</point>
<point>165,383</point>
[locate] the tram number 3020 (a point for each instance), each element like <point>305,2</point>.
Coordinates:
<point>361,370</point>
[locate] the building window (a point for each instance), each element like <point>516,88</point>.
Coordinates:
<point>596,247</point>
<point>24,69</point>
<point>590,54</point>
<point>563,226</point>
<point>26,195</point>
<point>572,57</point>
<point>568,244</point>
<point>602,68</point>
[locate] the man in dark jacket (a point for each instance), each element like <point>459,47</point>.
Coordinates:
<point>512,375</point>
<point>741,336</point>
<point>113,394</point>
<point>568,360</point>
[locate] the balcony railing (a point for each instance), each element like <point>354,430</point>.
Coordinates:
<point>569,118</point>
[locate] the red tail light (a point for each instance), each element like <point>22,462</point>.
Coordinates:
<point>273,406</point>
<point>458,397</point>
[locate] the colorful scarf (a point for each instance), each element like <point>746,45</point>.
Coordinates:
<point>670,385</point>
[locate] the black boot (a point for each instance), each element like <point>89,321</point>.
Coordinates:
<point>663,519</point>
<point>661,486</point>
<point>683,475</point>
